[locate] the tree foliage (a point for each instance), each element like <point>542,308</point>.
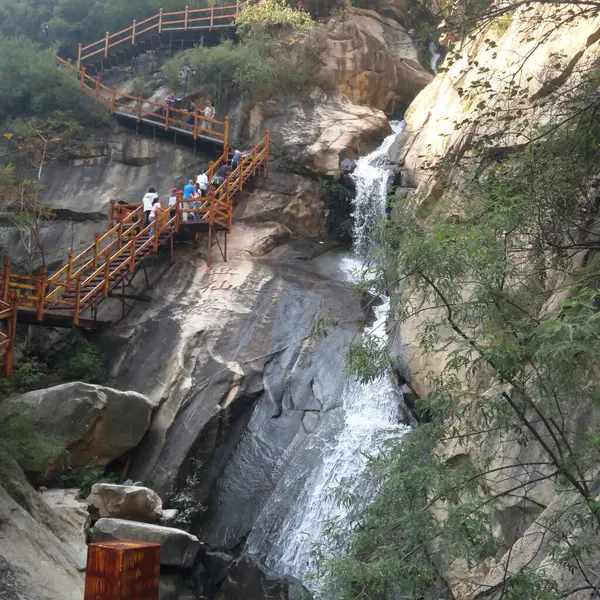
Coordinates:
<point>502,277</point>
<point>272,16</point>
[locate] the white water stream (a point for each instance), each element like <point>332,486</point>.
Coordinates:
<point>366,415</point>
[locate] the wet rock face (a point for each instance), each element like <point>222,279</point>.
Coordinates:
<point>226,351</point>
<point>251,580</point>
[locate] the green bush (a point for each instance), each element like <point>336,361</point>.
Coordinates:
<point>85,481</point>
<point>271,16</point>
<point>257,69</point>
<point>83,362</point>
<point>20,440</point>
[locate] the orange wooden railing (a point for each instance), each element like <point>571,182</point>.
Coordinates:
<point>213,17</point>
<point>159,114</point>
<point>8,332</point>
<point>86,279</point>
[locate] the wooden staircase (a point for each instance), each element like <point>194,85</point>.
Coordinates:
<point>71,296</point>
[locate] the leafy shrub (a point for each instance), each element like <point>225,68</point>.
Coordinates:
<point>257,69</point>
<point>85,481</point>
<point>271,16</point>
<point>20,440</point>
<point>82,362</point>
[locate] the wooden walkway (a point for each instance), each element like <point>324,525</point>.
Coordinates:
<point>71,296</point>
<point>157,114</point>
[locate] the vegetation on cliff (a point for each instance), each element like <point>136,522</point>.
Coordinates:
<point>502,274</point>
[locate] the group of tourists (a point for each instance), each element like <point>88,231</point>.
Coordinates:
<point>188,114</point>
<point>192,194</point>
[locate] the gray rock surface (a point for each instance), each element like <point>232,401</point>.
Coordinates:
<point>217,565</point>
<point>38,551</point>
<point>178,548</point>
<point>251,580</point>
<point>95,424</point>
<point>173,587</point>
<point>372,60</point>
<point>321,131</point>
<point>135,503</point>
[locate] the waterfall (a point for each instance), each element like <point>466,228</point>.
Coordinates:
<point>434,54</point>
<point>294,520</point>
<point>371,178</point>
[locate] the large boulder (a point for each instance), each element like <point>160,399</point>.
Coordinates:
<point>289,199</point>
<point>372,60</point>
<point>39,557</point>
<point>252,580</point>
<point>124,502</point>
<point>178,548</point>
<point>96,424</point>
<point>320,131</point>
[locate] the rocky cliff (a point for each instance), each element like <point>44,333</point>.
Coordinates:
<point>529,74</point>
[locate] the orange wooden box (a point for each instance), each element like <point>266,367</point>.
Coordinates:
<point>124,570</point>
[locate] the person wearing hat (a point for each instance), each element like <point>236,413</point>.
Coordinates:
<point>235,161</point>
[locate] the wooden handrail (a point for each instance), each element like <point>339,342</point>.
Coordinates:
<point>187,17</point>
<point>87,278</point>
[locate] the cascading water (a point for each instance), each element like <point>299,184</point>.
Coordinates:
<point>336,453</point>
<point>434,56</point>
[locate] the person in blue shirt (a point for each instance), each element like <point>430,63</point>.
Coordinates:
<point>188,193</point>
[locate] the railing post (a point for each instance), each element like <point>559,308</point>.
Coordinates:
<point>5,280</point>
<point>120,234</point>
<point>228,203</point>
<point>69,267</point>
<point>139,108</point>
<point>267,148</point>
<point>96,240</point>
<point>79,55</point>
<point>156,228</point>
<point>133,32</point>
<point>226,138</point>
<point>185,22</point>
<point>177,214</point>
<point>160,19</point>
<point>106,44</point>
<point>11,332</point>
<point>132,259</point>
<point>212,14</point>
<point>113,99</point>
<point>196,115</point>
<point>106,272</point>
<point>42,294</point>
<point>111,214</point>
<point>83,78</point>
<point>77,309</point>
<point>167,117</point>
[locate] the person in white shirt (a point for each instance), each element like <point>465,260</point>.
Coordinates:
<point>209,113</point>
<point>202,181</point>
<point>148,201</point>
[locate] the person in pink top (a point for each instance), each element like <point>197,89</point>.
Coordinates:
<point>154,212</point>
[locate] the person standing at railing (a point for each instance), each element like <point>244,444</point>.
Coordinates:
<point>235,161</point>
<point>173,202</point>
<point>154,213</point>
<point>148,201</point>
<point>202,181</point>
<point>188,194</point>
<point>209,113</point>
